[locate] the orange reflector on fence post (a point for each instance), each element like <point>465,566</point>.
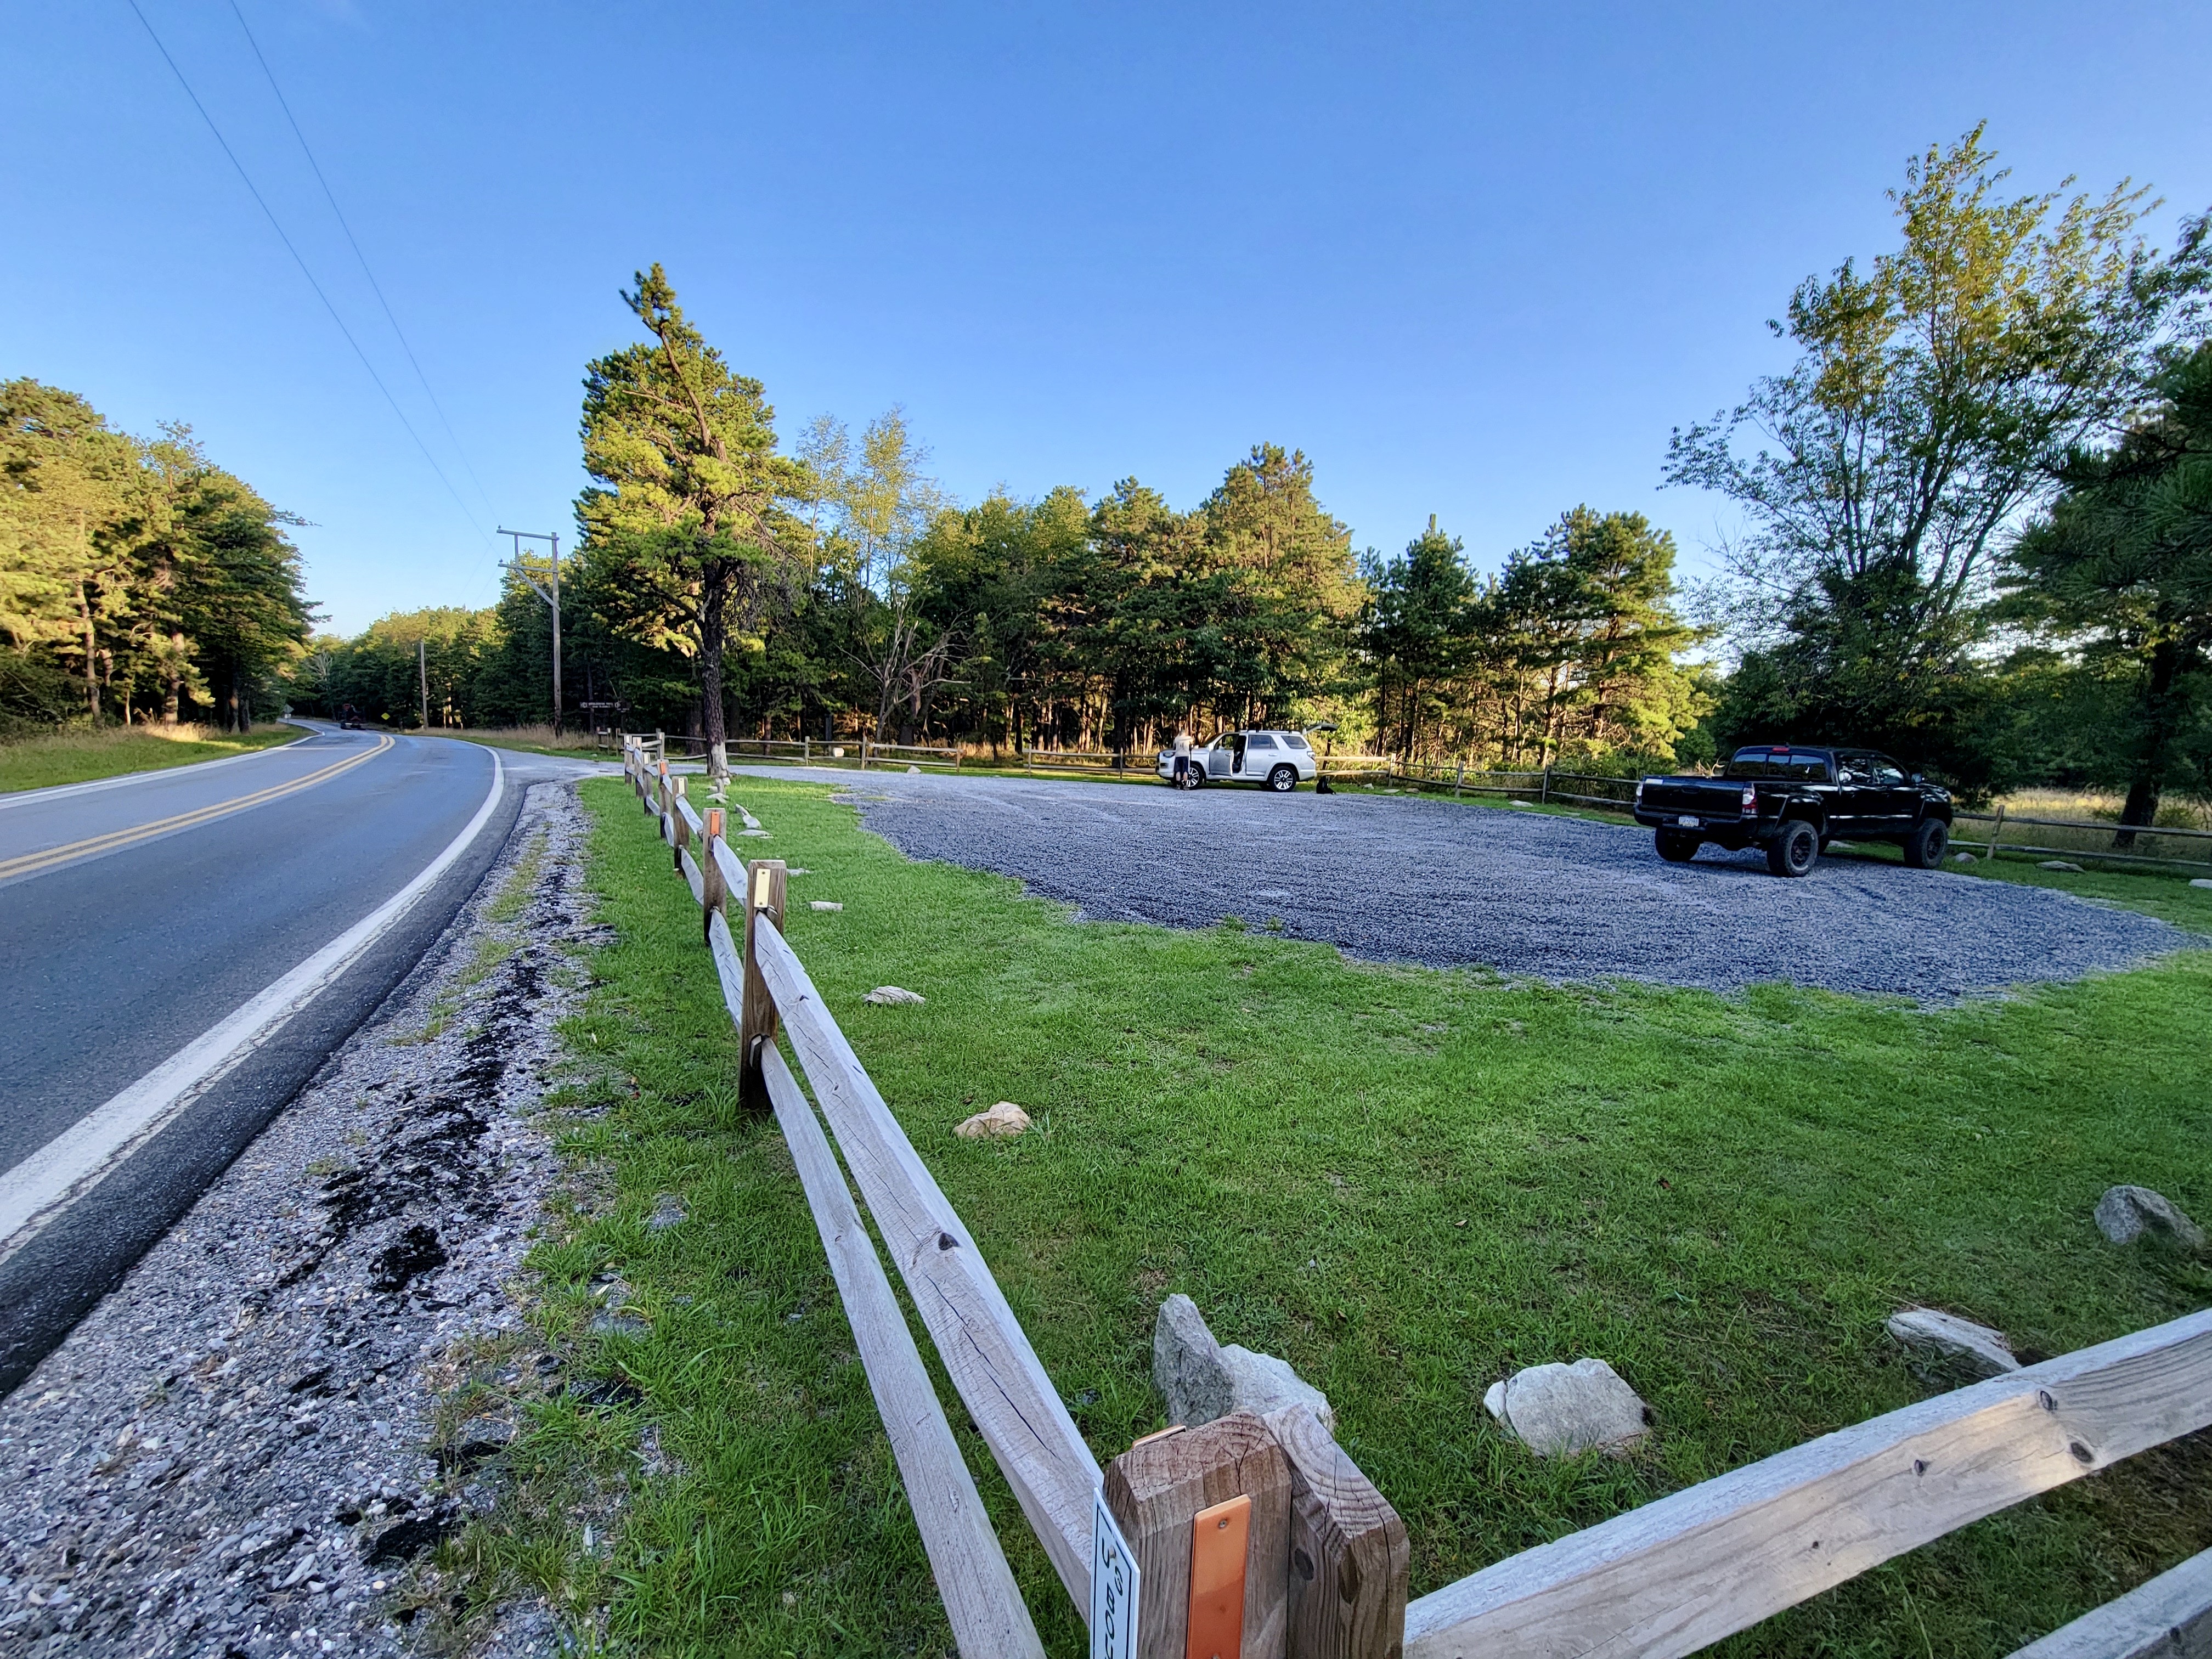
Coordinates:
<point>764,889</point>
<point>1220,1545</point>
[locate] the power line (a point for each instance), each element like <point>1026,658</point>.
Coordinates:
<point>375,287</point>
<point>247,179</point>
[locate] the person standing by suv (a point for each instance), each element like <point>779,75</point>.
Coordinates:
<point>1182,760</point>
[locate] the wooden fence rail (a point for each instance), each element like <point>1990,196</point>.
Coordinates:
<point>1328,1581</point>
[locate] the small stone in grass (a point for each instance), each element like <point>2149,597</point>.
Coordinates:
<point>1557,1411</point>
<point>667,1211</point>
<point>890,996</point>
<point>2060,864</point>
<point>2201,881</point>
<point>1945,1336</point>
<point>824,904</point>
<point>1963,858</point>
<point>1004,1119</point>
<point>2125,1214</point>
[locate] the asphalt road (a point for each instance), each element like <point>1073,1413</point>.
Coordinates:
<point>180,952</point>
<point>1448,884</point>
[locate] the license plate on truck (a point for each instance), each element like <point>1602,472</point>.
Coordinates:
<point>1688,821</point>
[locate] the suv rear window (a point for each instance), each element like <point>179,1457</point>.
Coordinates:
<point>1793,765</point>
<point>1295,741</point>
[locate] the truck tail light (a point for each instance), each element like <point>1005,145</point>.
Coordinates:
<point>1750,802</point>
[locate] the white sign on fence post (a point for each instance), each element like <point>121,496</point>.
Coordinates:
<point>1114,1579</point>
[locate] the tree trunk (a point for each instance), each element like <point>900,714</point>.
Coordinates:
<point>91,658</point>
<point>2161,712</point>
<point>713,632</point>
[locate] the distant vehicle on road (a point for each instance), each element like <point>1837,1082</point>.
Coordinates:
<point>1280,761</point>
<point>348,719</point>
<point>1793,801</point>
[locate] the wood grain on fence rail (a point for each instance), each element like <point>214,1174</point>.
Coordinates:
<point>981,1598</point>
<point>1012,1401</point>
<point>1684,1571</point>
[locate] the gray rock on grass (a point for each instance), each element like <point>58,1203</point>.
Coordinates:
<point>2125,1214</point>
<point>1947,1337</point>
<point>1557,1411</point>
<point>2201,881</point>
<point>824,904</point>
<point>892,996</point>
<point>2060,864</point>
<point>1203,1379</point>
<point>667,1212</point>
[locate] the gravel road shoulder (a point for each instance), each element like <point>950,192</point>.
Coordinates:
<point>1448,884</point>
<point>246,1449</point>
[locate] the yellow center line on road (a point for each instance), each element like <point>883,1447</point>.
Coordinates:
<point>31,863</point>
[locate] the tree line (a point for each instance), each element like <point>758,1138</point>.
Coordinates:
<point>139,580</point>
<point>1970,527</point>
<point>1976,513</point>
<point>723,585</point>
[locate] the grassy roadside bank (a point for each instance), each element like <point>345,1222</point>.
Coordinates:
<point>1407,1182</point>
<point>43,762</point>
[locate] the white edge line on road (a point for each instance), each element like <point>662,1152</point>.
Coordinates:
<point>62,790</point>
<point>40,1187</point>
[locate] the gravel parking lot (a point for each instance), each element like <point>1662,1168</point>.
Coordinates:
<point>1408,879</point>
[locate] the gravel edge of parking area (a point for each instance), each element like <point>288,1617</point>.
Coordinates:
<point>250,1445</point>
<point>1527,895</point>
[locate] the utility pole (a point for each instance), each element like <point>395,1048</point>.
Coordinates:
<point>551,596</point>
<point>422,677</point>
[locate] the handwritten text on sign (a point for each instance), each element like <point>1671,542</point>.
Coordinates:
<point>1113,1587</point>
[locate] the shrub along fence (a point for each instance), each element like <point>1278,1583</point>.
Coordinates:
<point>1258,1538</point>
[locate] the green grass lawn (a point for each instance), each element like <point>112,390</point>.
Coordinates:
<point>84,757</point>
<point>1407,1182</point>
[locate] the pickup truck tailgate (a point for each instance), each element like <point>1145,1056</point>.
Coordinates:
<point>1706,800</point>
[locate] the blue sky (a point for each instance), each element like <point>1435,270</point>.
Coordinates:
<point>1474,261</point>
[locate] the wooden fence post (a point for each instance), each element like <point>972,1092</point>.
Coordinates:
<point>764,886</point>
<point>1544,793</point>
<point>678,825</point>
<point>715,892</point>
<point>1996,830</point>
<point>1459,778</point>
<point>1156,1489</point>
<point>1349,1554</point>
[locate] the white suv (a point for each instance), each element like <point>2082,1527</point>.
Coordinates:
<point>1280,761</point>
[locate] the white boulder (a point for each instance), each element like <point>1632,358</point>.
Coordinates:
<point>2060,863</point>
<point>891,996</point>
<point>1557,1411</point>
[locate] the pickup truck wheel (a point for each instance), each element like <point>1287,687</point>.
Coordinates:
<point>1282,780</point>
<point>1923,848</point>
<point>1794,852</point>
<point>1676,847</point>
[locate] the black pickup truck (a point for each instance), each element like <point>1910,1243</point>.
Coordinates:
<point>1793,802</point>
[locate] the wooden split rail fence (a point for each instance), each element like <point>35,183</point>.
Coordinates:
<point>1324,1561</point>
